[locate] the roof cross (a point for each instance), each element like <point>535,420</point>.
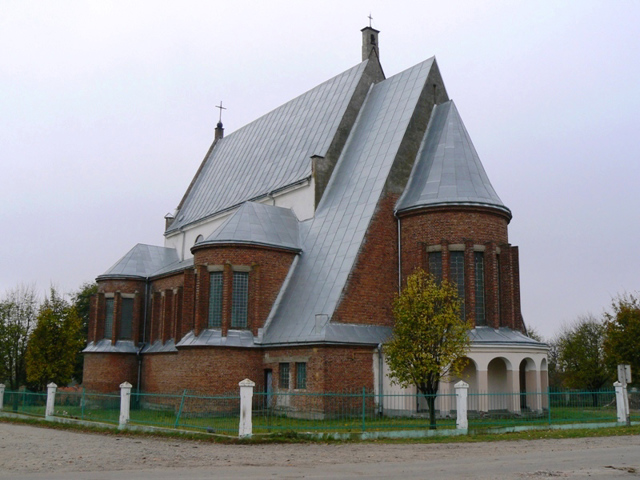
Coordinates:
<point>221,108</point>
<point>370,18</point>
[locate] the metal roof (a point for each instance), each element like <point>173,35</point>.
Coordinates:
<point>448,170</point>
<point>502,336</point>
<point>213,337</point>
<point>343,215</point>
<point>259,224</point>
<point>141,262</point>
<point>271,152</point>
<point>105,346</point>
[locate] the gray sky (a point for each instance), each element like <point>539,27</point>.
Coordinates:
<point>107,109</point>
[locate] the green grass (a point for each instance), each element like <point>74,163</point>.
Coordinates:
<point>293,437</point>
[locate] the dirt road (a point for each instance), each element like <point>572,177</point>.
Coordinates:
<point>37,453</point>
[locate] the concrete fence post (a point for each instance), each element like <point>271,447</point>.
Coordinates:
<point>462,390</point>
<point>125,404</point>
<point>1,396</point>
<point>246,401</point>
<point>621,404</point>
<point>51,401</point>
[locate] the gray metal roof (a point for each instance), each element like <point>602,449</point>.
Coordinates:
<point>213,337</point>
<point>141,261</point>
<point>502,336</point>
<point>159,347</point>
<point>270,153</point>
<point>259,224</point>
<point>343,215</point>
<point>173,267</point>
<point>448,170</point>
<point>105,346</point>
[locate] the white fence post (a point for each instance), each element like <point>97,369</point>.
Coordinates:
<point>51,399</point>
<point>620,402</point>
<point>125,404</point>
<point>1,396</point>
<point>246,400</point>
<point>462,390</point>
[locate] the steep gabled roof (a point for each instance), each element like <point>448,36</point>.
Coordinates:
<point>448,170</point>
<point>141,262</point>
<point>337,231</point>
<point>271,152</point>
<point>258,224</point>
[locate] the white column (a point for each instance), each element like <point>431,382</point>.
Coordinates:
<point>246,399</point>
<point>483,390</point>
<point>462,389</point>
<point>51,400</point>
<point>621,404</point>
<point>1,396</point>
<point>125,404</point>
<point>513,382</point>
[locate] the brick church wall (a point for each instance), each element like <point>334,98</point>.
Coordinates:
<point>104,372</point>
<point>209,370</point>
<point>268,270</point>
<point>373,282</point>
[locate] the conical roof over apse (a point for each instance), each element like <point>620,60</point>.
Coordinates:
<point>448,170</point>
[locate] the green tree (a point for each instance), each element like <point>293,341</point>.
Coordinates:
<point>581,355</point>
<point>622,341</point>
<point>429,339</point>
<point>82,301</point>
<point>54,343</point>
<point>17,317</point>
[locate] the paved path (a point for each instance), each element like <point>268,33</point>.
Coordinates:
<point>39,453</point>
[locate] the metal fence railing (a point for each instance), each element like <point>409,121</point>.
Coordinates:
<point>25,402</point>
<point>345,412</point>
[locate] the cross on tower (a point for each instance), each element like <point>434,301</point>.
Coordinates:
<point>221,108</point>
<point>370,18</point>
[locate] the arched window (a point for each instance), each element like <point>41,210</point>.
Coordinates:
<point>199,238</point>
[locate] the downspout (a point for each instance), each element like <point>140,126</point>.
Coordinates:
<point>399,254</point>
<point>380,381</point>
<point>142,344</point>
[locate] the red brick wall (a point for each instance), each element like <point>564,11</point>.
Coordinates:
<point>470,227</point>
<point>210,370</point>
<point>117,288</point>
<point>104,372</point>
<point>269,268</point>
<point>373,282</point>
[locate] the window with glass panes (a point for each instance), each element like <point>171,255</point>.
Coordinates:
<point>215,300</point>
<point>284,375</point>
<point>456,274</point>
<point>108,318</point>
<point>126,318</point>
<point>240,299</point>
<point>301,375</point>
<point>435,265</point>
<point>480,309</point>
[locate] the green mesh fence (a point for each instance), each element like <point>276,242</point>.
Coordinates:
<point>634,404</point>
<point>356,411</point>
<point>214,414</point>
<point>25,402</point>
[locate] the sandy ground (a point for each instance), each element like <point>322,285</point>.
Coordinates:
<point>33,452</point>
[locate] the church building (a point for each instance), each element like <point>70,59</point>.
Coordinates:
<point>281,262</point>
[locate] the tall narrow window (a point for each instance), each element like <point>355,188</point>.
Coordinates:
<point>480,310</point>
<point>108,318</point>
<point>301,375</point>
<point>284,376</point>
<point>215,300</point>
<point>435,265</point>
<point>240,300</point>
<point>126,318</point>
<point>456,273</point>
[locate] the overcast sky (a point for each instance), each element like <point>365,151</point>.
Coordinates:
<point>107,109</point>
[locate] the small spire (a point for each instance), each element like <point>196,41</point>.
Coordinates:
<point>219,133</point>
